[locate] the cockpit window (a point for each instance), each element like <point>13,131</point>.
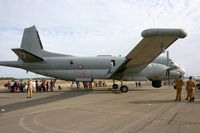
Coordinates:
<point>173,64</point>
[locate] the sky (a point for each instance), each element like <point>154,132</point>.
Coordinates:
<point>98,27</point>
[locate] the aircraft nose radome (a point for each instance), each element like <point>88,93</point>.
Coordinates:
<point>182,71</point>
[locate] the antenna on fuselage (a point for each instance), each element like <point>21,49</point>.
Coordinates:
<point>168,70</point>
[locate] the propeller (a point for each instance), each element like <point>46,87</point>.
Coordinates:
<point>170,69</point>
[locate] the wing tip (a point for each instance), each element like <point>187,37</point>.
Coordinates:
<point>180,33</point>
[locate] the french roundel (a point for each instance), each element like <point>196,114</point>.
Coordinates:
<point>80,66</point>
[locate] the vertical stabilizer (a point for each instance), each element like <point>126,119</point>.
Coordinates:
<point>31,49</point>
<point>31,41</point>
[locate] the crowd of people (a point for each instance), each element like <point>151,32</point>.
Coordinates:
<point>99,83</point>
<point>89,85</point>
<point>22,86</point>
<point>14,86</point>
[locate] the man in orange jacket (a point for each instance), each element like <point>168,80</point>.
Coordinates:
<point>29,89</point>
<point>190,85</point>
<point>178,84</point>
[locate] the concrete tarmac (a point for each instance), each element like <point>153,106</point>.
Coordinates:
<point>143,110</point>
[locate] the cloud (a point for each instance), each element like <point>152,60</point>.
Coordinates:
<point>92,27</point>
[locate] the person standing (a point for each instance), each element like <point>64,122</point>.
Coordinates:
<point>8,86</point>
<point>43,86</point>
<point>139,84</point>
<point>178,84</point>
<point>37,85</point>
<point>187,90</point>
<point>30,88</point>
<point>190,85</point>
<point>51,85</point>
<point>47,86</point>
<point>90,85</point>
<point>77,84</point>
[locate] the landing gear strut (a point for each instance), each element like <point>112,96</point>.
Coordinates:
<point>123,88</point>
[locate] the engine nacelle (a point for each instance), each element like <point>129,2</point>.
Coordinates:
<point>157,83</point>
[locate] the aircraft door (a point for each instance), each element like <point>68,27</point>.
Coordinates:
<point>112,64</point>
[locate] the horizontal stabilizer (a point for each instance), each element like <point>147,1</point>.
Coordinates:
<point>26,56</point>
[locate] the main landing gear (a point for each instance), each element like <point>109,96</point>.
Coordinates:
<point>123,88</point>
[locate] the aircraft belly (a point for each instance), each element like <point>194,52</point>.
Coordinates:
<point>74,74</point>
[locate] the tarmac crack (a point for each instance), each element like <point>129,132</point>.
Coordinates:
<point>173,117</point>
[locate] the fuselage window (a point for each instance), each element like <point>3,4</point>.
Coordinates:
<point>71,62</point>
<point>112,63</point>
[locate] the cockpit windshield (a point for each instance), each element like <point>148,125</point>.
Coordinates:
<point>173,64</point>
<point>169,62</point>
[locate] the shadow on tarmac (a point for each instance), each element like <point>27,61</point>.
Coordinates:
<point>162,101</point>
<point>78,92</point>
<point>151,101</point>
<point>44,100</point>
<point>53,98</point>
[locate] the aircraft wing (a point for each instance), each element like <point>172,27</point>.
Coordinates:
<point>154,42</point>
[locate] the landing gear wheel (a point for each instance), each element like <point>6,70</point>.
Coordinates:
<point>124,89</point>
<point>115,86</point>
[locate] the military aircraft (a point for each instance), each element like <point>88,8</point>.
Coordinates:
<point>143,62</point>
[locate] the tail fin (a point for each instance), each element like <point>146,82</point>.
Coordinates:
<point>31,46</point>
<point>31,41</point>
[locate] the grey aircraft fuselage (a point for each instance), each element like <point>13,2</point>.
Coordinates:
<point>99,67</point>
